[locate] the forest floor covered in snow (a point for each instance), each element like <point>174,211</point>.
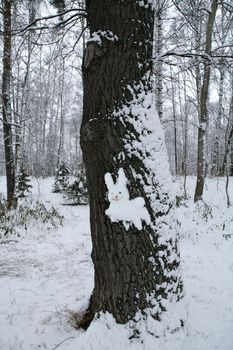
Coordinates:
<point>46,275</point>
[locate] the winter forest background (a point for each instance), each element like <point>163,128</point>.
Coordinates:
<point>100,248</point>
<point>46,86</point>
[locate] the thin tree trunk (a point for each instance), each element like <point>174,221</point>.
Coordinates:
<point>185,136</point>
<point>6,105</point>
<point>215,166</point>
<point>227,187</point>
<point>231,160</point>
<point>159,63</point>
<point>19,119</point>
<point>136,268</point>
<point>229,139</point>
<point>203,118</point>
<point>51,141</point>
<point>174,123</point>
<point>60,153</point>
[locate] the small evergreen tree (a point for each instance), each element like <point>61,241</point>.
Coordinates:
<point>61,179</point>
<point>76,192</point>
<point>23,184</point>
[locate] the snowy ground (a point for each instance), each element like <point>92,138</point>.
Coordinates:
<point>47,273</point>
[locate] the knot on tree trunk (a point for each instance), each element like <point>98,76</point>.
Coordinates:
<point>93,132</point>
<point>97,45</point>
<point>93,50</point>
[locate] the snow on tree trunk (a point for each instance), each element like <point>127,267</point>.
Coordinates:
<point>136,260</point>
<point>6,104</point>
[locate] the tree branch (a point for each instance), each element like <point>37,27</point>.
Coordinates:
<point>194,54</point>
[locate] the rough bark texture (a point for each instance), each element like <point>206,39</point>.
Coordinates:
<point>129,264</point>
<point>203,118</point>
<point>6,104</point>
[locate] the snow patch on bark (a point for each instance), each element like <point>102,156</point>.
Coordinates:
<point>146,3</point>
<point>146,143</point>
<point>97,36</point>
<point>149,146</point>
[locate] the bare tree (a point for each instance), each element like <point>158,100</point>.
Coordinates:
<point>6,104</point>
<point>203,117</point>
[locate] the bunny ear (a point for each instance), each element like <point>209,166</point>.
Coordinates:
<point>109,181</point>
<point>122,179</point>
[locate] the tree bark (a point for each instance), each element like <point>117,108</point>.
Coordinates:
<point>185,148</point>
<point>159,63</point>
<point>135,270</point>
<point>6,105</point>
<point>174,122</point>
<point>216,166</point>
<point>228,138</point>
<point>203,118</point>
<point>60,152</point>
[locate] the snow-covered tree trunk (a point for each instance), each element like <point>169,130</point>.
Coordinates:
<point>6,104</point>
<point>134,247</point>
<point>203,117</point>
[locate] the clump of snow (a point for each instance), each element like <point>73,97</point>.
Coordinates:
<point>107,34</point>
<point>203,126</point>
<point>130,211</point>
<point>95,38</point>
<point>146,3</point>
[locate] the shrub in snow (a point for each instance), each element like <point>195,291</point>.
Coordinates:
<point>131,211</point>
<point>2,206</point>
<point>61,179</point>
<point>76,191</point>
<point>180,201</point>
<point>204,210</point>
<point>14,221</point>
<point>23,183</point>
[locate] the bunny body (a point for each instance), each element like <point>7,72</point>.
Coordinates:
<point>121,207</point>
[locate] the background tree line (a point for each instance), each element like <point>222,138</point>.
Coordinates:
<point>44,98</point>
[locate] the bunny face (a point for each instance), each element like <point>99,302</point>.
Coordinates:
<point>117,191</point>
<point>118,194</point>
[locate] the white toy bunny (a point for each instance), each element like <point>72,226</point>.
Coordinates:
<point>121,207</point>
